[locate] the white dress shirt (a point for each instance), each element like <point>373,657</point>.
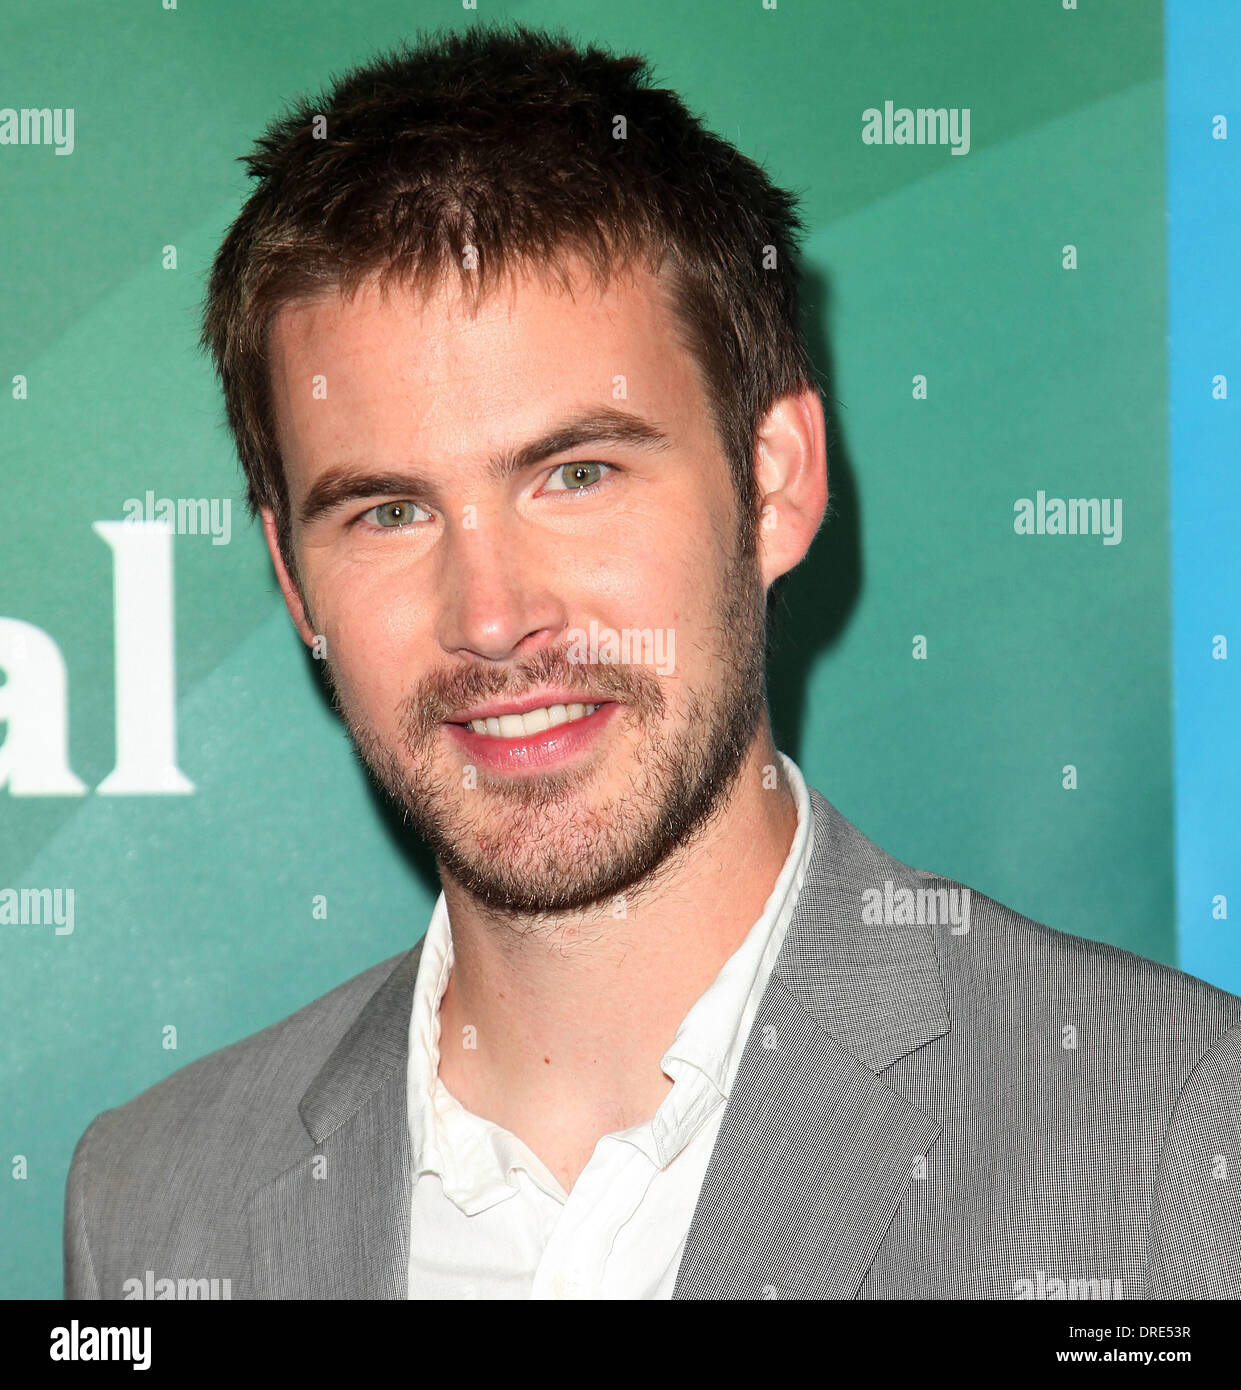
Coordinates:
<point>488,1219</point>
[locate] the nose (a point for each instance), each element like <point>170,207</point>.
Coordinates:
<point>499,600</point>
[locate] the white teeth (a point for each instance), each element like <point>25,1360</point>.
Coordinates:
<point>532,722</point>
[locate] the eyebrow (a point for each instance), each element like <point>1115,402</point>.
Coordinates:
<point>346,483</point>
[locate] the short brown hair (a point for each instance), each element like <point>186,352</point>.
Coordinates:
<point>527,148</point>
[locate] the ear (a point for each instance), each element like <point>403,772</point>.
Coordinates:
<point>292,597</point>
<point>790,468</point>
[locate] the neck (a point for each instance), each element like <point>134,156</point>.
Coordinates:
<point>571,1016</point>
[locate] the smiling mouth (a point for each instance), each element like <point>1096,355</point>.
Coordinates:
<point>534,721</point>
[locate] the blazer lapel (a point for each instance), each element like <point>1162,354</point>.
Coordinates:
<point>815,1150</point>
<point>336,1224</point>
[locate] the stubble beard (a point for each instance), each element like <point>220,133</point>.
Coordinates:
<point>541,845</point>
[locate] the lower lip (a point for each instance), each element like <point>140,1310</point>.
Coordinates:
<point>545,749</point>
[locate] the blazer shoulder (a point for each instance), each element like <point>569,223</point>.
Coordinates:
<point>1089,959</point>
<point>1006,952</point>
<point>251,1086</point>
<point>992,958</point>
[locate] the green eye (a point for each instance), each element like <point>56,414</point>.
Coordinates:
<point>392,515</point>
<point>578,476</point>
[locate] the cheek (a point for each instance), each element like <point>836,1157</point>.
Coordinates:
<point>647,576</point>
<point>373,640</point>
<point>373,601</point>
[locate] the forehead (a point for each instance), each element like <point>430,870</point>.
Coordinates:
<point>397,369</point>
<point>443,306</point>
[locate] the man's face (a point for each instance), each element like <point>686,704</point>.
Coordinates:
<point>444,587</point>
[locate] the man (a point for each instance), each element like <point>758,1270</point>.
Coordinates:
<point>510,350</point>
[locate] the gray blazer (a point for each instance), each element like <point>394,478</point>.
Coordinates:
<point>920,1112</point>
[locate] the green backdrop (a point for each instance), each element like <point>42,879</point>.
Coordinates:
<point>194,909</point>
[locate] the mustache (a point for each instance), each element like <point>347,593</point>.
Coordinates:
<point>438,697</point>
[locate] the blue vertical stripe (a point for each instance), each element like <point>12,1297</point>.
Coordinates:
<point>1202,62</point>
